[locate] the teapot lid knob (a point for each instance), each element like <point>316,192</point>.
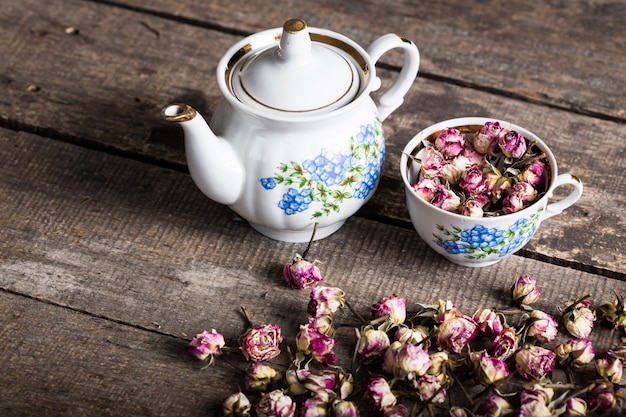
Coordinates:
<point>296,74</point>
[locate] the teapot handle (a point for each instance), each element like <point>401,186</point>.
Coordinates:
<point>394,96</point>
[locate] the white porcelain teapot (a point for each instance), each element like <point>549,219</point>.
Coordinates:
<point>297,139</point>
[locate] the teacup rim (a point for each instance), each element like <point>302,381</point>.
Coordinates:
<point>476,120</point>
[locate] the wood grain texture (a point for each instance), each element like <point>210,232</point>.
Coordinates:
<point>104,87</point>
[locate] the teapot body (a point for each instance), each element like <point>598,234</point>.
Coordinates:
<point>306,171</point>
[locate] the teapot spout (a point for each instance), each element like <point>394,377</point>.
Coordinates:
<point>213,164</point>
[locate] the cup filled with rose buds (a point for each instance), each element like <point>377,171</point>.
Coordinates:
<point>477,189</point>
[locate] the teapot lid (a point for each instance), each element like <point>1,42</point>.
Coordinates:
<point>295,74</point>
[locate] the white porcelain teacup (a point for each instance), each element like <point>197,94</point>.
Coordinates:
<point>480,241</point>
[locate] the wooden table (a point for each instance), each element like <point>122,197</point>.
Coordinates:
<point>112,259</point>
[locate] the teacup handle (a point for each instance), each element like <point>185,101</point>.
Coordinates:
<point>553,209</point>
<point>394,96</point>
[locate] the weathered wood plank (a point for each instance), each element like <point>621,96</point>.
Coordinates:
<point>104,88</point>
<point>569,54</point>
<point>149,262</point>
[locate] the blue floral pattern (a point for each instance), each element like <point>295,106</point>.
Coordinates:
<point>331,176</point>
<point>479,241</point>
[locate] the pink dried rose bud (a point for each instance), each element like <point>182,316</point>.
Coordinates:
<point>236,405</point>
<point>473,181</point>
<point>542,326</point>
<point>315,407</point>
<point>301,273</point>
<point>412,361</point>
<point>519,196</point>
<point>372,345</point>
<point>343,408</point>
<point>207,345</point>
<point>430,389</point>
<point>294,379</point>
<point>439,364</point>
<point>533,174</point>
<point>535,401</point>
<point>524,290</point>
<point>260,377</point>
<point>601,397</point>
<point>445,199</point>
<point>535,362</point>
<point>474,206</point>
<point>490,371</point>
<point>505,344</point>
<point>450,142</point>
<point>610,368</point>
<point>489,322</point>
<point>456,332</point>
<point>426,187</point>
<point>417,335</point>
<point>497,186</point>
<point>496,406</point>
<point>275,404</point>
<point>378,394</point>
<point>261,342</point>
<point>579,318</point>
<point>512,144</point>
<point>454,169</point>
<point>399,410</point>
<point>394,308</point>
<point>323,324</point>
<point>486,139</point>
<point>575,407</point>
<point>312,342</point>
<point>432,162</point>
<point>325,381</point>
<point>326,300</point>
<point>575,352</point>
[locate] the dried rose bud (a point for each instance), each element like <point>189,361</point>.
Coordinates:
<point>474,206</point>
<point>456,332</point>
<point>439,364</point>
<point>505,344</point>
<point>524,290</point>
<point>312,342</point>
<point>489,322</point>
<point>262,342</point>
<point>601,397</point>
<point>430,389</point>
<point>412,361</point>
<point>343,408</point>
<point>260,377</point>
<point>275,404</point>
<point>315,407</point>
<point>486,140</point>
<point>610,367</point>
<point>294,379</point>
<point>392,307</point>
<point>614,312</point>
<point>417,335</point>
<point>490,371</point>
<point>542,326</point>
<point>450,142</point>
<point>399,410</point>
<point>533,174</point>
<point>535,401</point>
<point>432,162</point>
<point>535,362</point>
<point>495,406</point>
<point>378,394</point>
<point>326,300</point>
<point>512,144</point>
<point>301,273</point>
<point>575,352</point>
<point>426,187</point>
<point>207,345</point>
<point>324,324</point>
<point>473,157</point>
<point>519,196</point>
<point>497,186</point>
<point>575,407</point>
<point>236,405</point>
<point>325,381</point>
<point>579,318</point>
<point>445,199</point>
<point>473,181</point>
<point>454,169</point>
<point>372,345</point>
